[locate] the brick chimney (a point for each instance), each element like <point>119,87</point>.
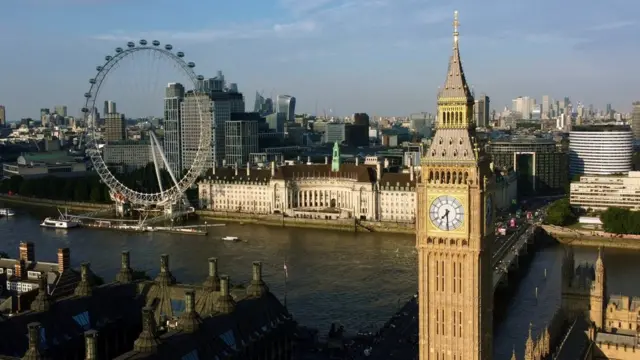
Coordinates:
<point>64,259</point>
<point>27,251</point>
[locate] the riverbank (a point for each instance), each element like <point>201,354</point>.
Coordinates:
<point>71,205</point>
<point>569,236</point>
<point>350,225</point>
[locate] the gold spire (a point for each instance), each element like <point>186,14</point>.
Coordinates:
<point>513,353</point>
<point>455,86</point>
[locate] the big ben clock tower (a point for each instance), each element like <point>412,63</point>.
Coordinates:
<point>455,230</point>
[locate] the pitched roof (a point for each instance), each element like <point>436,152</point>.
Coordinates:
<point>360,173</point>
<point>455,85</point>
<point>451,145</point>
<point>69,318</point>
<point>222,334</point>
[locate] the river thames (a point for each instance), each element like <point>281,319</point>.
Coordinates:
<point>358,280</point>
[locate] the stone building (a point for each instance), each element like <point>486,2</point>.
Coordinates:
<point>21,278</point>
<point>321,191</point>
<point>455,230</point>
<point>134,318</point>
<point>613,321</point>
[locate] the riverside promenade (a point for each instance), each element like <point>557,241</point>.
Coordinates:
<point>594,238</point>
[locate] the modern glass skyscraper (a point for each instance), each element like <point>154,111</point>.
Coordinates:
<point>287,105</point>
<point>174,95</point>
<point>3,116</point>
<point>635,120</point>
<point>193,105</point>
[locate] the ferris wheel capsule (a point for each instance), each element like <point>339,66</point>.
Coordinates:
<point>180,54</point>
<point>156,43</point>
<point>131,44</point>
<point>119,50</point>
<point>191,64</point>
<point>200,77</point>
<point>143,42</point>
<point>98,68</point>
<point>87,95</point>
<point>168,47</point>
<point>108,57</point>
<point>85,110</point>
<point>92,81</point>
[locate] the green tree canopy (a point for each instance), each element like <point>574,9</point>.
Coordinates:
<point>560,213</point>
<point>620,221</point>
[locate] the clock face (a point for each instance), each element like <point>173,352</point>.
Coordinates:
<point>446,213</point>
<point>489,212</point>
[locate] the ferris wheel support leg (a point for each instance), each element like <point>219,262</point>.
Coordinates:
<point>166,164</point>
<point>155,163</point>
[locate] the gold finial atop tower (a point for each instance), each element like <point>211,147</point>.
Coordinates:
<point>456,23</point>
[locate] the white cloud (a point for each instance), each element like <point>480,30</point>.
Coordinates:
<point>294,29</point>
<point>613,25</point>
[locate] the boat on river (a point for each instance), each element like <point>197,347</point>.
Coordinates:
<point>7,212</point>
<point>59,223</point>
<point>231,238</point>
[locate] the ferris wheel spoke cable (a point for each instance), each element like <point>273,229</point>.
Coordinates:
<point>119,191</point>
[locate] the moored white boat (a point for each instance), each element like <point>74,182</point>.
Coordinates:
<point>7,212</point>
<point>59,223</point>
<point>231,238</point>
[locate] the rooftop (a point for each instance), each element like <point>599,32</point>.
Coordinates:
<point>600,128</point>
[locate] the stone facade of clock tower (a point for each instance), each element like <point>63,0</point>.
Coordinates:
<point>454,262</point>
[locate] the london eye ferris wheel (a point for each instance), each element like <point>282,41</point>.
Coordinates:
<point>174,192</point>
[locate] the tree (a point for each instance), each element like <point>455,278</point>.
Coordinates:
<point>96,193</point>
<point>560,213</point>
<point>4,255</point>
<point>620,221</point>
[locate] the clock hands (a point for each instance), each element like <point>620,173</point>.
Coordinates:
<point>446,215</point>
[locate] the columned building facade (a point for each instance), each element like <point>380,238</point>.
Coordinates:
<point>315,191</point>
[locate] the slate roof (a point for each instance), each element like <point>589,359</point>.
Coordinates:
<point>360,173</point>
<point>222,334</point>
<point>455,85</point>
<point>451,145</point>
<point>397,179</point>
<point>69,318</point>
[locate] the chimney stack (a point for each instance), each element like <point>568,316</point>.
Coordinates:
<point>224,162</point>
<point>225,303</point>
<point>213,281</point>
<point>378,171</point>
<point>91,345</point>
<point>248,169</point>
<point>257,287</point>
<point>64,259</point>
<point>84,286</point>
<point>357,161</point>
<point>27,251</point>
<point>189,320</point>
<point>42,302</point>
<point>34,341</point>
<point>148,341</point>
<point>235,169</point>
<point>273,168</point>
<point>165,277</point>
<point>326,160</point>
<point>125,275</point>
<point>308,160</point>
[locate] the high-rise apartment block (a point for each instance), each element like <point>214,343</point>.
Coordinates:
<point>61,110</point>
<point>287,105</point>
<point>546,107</point>
<point>523,105</point>
<point>109,108</point>
<point>481,111</point>
<point>241,137</point>
<point>115,126</point>
<point>195,107</point>
<point>635,120</point>
<point>3,116</point>
<point>174,95</point>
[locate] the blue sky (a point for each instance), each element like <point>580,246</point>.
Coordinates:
<point>384,57</point>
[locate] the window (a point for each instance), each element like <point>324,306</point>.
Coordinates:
<point>83,320</point>
<point>456,281</point>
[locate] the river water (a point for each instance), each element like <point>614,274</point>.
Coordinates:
<point>358,280</point>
